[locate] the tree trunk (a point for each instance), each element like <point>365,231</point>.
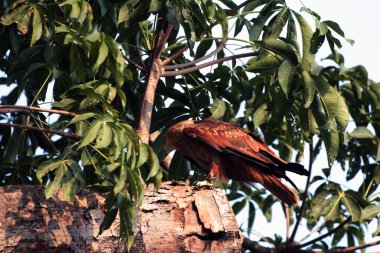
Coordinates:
<point>177,218</point>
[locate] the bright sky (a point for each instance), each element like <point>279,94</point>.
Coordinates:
<point>358,20</point>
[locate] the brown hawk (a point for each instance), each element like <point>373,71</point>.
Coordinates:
<point>225,150</point>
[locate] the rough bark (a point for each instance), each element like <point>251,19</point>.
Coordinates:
<point>176,218</point>
<point>31,223</point>
<point>180,218</point>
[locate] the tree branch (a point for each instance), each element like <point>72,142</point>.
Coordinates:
<point>22,108</point>
<point>195,68</point>
<point>192,63</point>
<point>134,64</point>
<point>304,196</point>
<point>163,41</point>
<point>287,216</point>
<point>174,56</point>
<point>45,130</point>
<point>358,247</point>
<point>147,104</point>
<point>341,225</point>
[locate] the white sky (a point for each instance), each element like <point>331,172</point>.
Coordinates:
<point>358,19</point>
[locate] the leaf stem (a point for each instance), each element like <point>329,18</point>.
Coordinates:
<point>304,196</point>
<point>46,130</point>
<point>22,108</point>
<point>341,225</point>
<point>198,67</point>
<point>188,64</point>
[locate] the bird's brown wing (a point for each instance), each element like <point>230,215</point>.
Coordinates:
<point>229,138</point>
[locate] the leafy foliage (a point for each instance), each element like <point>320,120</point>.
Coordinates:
<point>76,51</point>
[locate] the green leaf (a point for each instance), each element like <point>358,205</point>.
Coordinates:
<point>102,55</point>
<point>285,76</point>
<point>259,22</point>
<point>121,181</point>
<point>104,137</point>
<point>260,115</point>
<point>238,206</point>
<point>123,13</point>
<point>309,89</point>
<point>352,207</point>
<point>46,167</point>
<point>154,164</point>
<point>218,108</point>
<point>108,219</point>
<point>57,181</point>
<point>269,63</point>
<point>369,212</point>
<point>69,186</point>
<point>155,5</point>
<point>143,155</point>
<point>279,47</point>
<point>77,171</point>
<point>307,34</point>
<point>251,216</point>
<point>179,169</point>
<point>82,116</point>
<point>91,133</point>
<point>361,133</point>
<point>221,17</point>
<point>37,27</point>
<point>377,232</point>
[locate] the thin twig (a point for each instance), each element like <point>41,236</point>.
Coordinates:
<point>358,247</point>
<point>287,216</point>
<point>341,225</point>
<point>163,41</point>
<point>22,108</point>
<point>44,130</point>
<point>192,63</point>
<point>134,64</point>
<point>198,67</point>
<point>174,56</point>
<point>304,196</point>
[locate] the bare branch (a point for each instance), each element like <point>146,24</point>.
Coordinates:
<point>163,41</point>
<point>304,196</point>
<point>287,216</point>
<point>147,104</point>
<point>198,67</point>
<point>134,64</point>
<point>174,56</point>
<point>22,108</point>
<point>341,225</point>
<point>353,248</point>
<point>44,130</point>
<point>192,63</point>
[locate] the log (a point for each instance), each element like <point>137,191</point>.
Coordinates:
<point>180,218</point>
<point>176,218</point>
<point>31,223</point>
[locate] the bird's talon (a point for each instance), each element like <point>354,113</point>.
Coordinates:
<point>205,184</point>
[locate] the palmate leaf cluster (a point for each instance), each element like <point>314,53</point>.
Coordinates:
<point>78,49</point>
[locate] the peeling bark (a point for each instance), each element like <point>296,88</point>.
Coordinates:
<point>31,223</point>
<point>180,218</point>
<point>176,218</point>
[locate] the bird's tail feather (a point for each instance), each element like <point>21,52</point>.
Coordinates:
<point>296,168</point>
<point>280,190</point>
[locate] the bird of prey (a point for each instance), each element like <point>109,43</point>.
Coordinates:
<point>227,151</point>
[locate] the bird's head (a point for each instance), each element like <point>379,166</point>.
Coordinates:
<point>174,136</point>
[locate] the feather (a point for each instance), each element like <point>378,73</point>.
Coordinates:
<point>217,146</point>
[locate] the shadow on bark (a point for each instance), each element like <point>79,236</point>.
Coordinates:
<point>32,223</point>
